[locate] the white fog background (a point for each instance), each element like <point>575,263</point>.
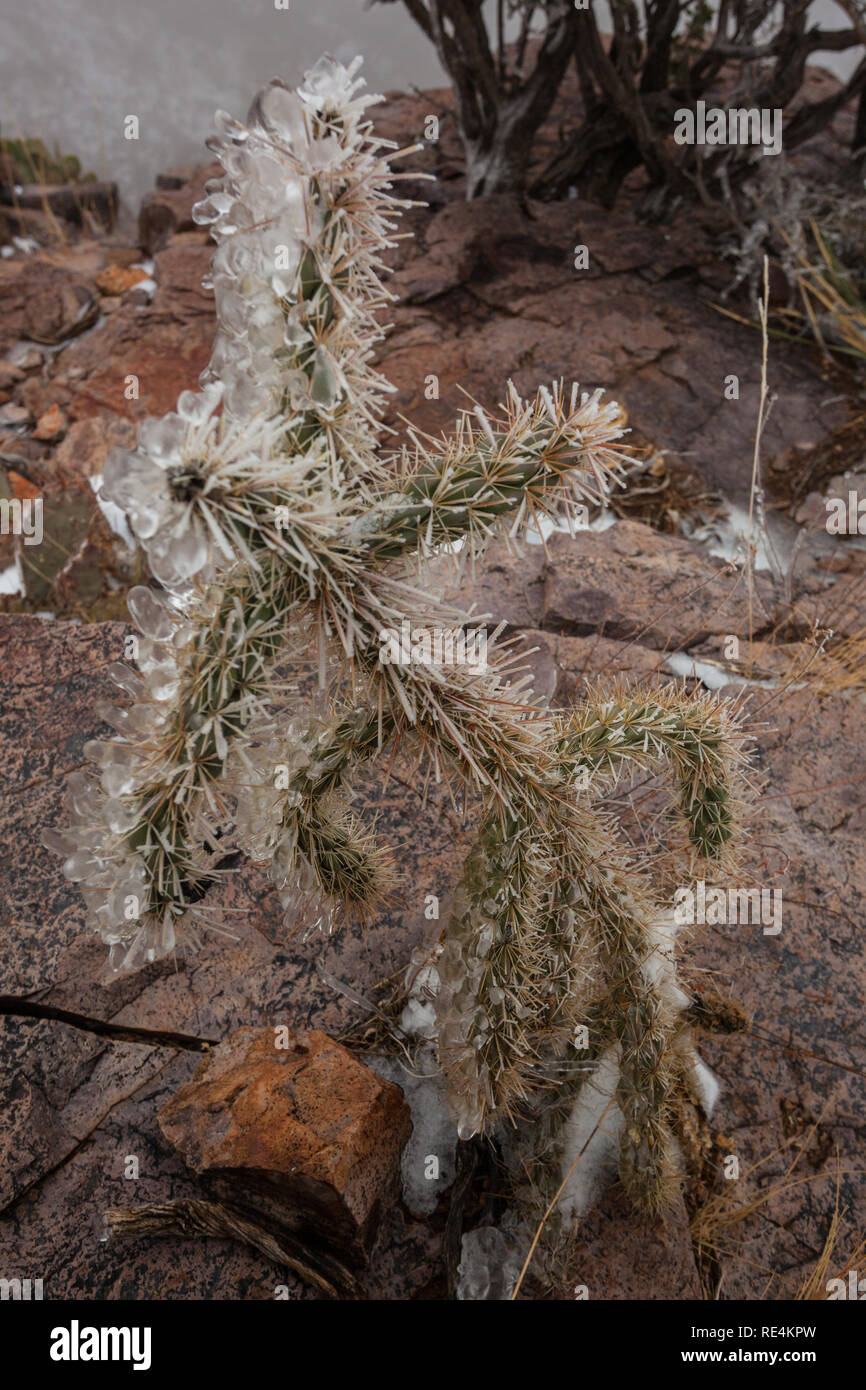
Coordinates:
<point>71,70</point>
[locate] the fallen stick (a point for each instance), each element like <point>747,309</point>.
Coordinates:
<point>191,1217</point>
<point>119,1032</point>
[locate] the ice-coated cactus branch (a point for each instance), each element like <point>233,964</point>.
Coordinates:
<point>496,972</point>
<point>591,940</point>
<point>302,217</point>
<point>696,737</point>
<point>642,1001</point>
<point>276,530</point>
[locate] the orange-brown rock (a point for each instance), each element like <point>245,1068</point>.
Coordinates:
<point>88,443</point>
<point>116,279</point>
<point>297,1128</point>
<point>51,425</point>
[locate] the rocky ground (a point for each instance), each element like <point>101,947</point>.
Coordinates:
<point>97,332</point>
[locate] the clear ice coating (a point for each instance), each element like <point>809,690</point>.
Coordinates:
<point>150,616</point>
<point>489,1266</point>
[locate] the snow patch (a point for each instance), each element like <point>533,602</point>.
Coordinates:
<point>418,1019</point>
<point>659,966</point>
<point>711,676</point>
<point>12,579</point>
<point>538,532</point>
<point>726,537</point>
<point>706,1085</point>
<point>114,515</point>
<point>593,1154</point>
<point>429,1158</point>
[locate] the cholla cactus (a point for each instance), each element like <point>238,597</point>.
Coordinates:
<point>278,533</point>
<point>275,529</point>
<point>558,966</point>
